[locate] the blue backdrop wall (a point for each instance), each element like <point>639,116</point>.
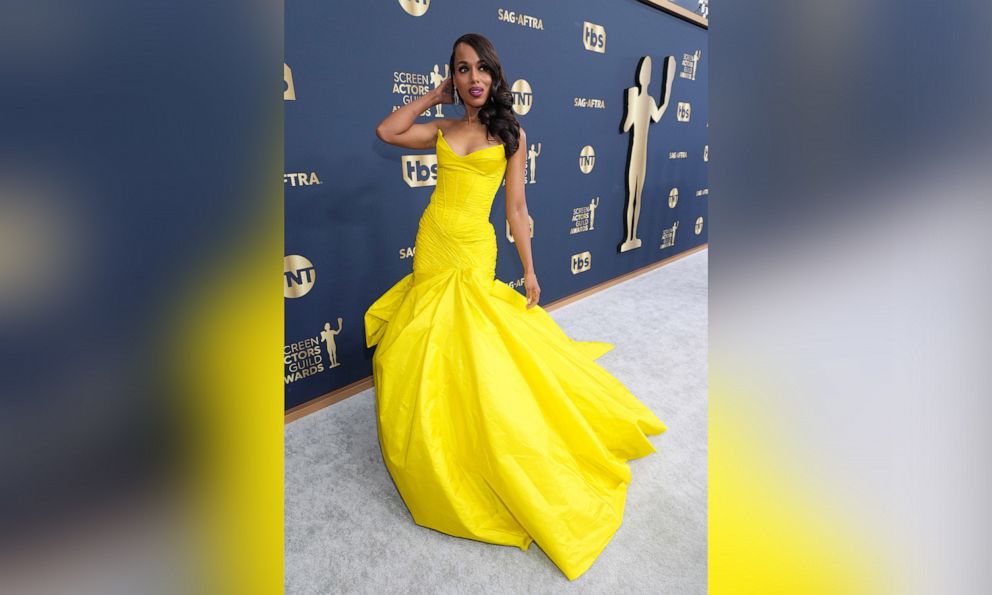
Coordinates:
<point>352,202</point>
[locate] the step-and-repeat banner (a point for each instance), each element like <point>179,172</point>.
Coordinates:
<point>613,96</point>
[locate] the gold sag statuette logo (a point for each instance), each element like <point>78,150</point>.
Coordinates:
<point>304,358</point>
<point>673,198</point>
<point>437,79</point>
<point>581,262</point>
<point>410,86</point>
<point>668,236</point>
<point>300,276</point>
<point>523,96</point>
<point>641,110</point>
<point>689,64</point>
<point>587,159</point>
<point>584,218</point>
<point>706,152</point>
<point>683,111</point>
<point>509,235</point>
<point>327,336</point>
<point>593,37</point>
<point>419,170</point>
<point>699,226</point>
<point>289,93</point>
<point>301,179</point>
<point>530,169</point>
<point>415,8</point>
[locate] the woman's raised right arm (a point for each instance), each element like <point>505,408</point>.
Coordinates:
<point>398,128</point>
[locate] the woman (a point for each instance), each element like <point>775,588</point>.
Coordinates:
<point>493,423</point>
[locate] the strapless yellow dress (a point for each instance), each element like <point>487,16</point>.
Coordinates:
<point>494,424</point>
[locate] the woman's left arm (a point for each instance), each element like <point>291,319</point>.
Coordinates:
<point>519,220</point>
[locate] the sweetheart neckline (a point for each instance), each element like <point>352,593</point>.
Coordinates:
<point>440,134</point>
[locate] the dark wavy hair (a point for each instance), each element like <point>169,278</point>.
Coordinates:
<point>497,113</point>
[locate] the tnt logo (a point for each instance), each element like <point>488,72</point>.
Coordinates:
<point>587,159</point>
<point>289,93</point>
<point>299,276</point>
<point>594,37</point>
<point>523,96</point>
<point>415,8</point>
<point>419,170</point>
<point>673,198</point>
<point>684,111</point>
<point>581,262</point>
<point>698,229</point>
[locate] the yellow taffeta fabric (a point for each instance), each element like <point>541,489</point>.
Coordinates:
<point>493,423</point>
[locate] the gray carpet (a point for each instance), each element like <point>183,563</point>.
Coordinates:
<point>348,531</point>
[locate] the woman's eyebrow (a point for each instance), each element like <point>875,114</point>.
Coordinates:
<point>464,62</point>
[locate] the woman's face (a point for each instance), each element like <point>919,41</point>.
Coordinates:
<point>473,78</point>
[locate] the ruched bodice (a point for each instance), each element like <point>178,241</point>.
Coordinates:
<point>467,185</point>
<point>454,231</point>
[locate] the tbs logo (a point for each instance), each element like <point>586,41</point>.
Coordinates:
<point>581,262</point>
<point>594,37</point>
<point>419,170</point>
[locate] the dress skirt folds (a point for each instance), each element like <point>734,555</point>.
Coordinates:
<point>493,423</point>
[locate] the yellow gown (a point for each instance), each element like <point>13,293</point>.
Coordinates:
<point>494,424</point>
